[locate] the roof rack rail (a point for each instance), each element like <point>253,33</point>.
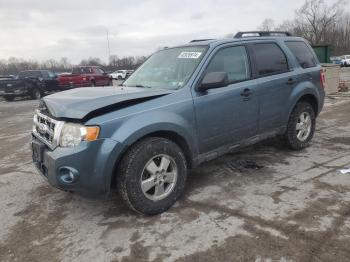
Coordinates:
<point>200,40</point>
<point>261,33</point>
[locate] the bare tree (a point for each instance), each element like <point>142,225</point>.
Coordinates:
<point>267,25</point>
<point>315,20</point>
<point>319,23</point>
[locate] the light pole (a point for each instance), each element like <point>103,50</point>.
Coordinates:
<point>108,48</point>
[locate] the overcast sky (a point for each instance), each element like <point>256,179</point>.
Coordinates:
<point>76,29</point>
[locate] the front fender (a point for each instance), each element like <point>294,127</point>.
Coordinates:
<point>156,121</point>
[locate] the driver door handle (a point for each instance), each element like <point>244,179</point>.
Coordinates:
<point>246,92</point>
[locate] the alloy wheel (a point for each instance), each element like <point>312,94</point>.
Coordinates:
<point>159,177</point>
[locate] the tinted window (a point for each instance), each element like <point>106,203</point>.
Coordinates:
<point>45,74</point>
<point>31,73</point>
<point>269,59</point>
<point>99,71</point>
<point>234,61</point>
<point>77,70</point>
<point>82,70</point>
<point>302,53</point>
<point>51,74</point>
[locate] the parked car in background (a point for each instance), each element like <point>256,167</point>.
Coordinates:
<point>85,76</point>
<point>121,74</point>
<point>345,60</point>
<point>212,97</point>
<point>34,83</point>
<point>336,60</point>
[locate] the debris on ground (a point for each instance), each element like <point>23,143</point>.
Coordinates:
<point>243,165</point>
<point>345,171</point>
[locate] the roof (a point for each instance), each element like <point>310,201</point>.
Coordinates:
<point>215,42</point>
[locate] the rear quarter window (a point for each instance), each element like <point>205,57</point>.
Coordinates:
<point>269,59</point>
<point>302,53</point>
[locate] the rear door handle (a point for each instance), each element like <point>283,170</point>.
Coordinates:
<point>291,81</point>
<point>246,92</point>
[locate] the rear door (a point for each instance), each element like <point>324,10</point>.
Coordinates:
<point>228,114</point>
<point>310,68</point>
<point>276,80</point>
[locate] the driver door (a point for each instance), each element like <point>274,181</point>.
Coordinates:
<point>228,114</point>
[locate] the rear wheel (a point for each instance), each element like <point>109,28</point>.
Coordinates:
<point>152,175</point>
<point>301,126</point>
<point>36,93</point>
<point>92,83</point>
<point>9,98</point>
<point>120,78</point>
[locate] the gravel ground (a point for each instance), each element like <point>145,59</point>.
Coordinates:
<point>264,203</point>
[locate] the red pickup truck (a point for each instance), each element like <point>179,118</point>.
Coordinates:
<point>85,76</point>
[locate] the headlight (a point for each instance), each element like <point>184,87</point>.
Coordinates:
<point>73,134</point>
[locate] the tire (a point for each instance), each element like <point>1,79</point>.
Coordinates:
<point>36,94</point>
<point>92,83</point>
<point>9,98</point>
<point>120,78</point>
<point>110,82</point>
<point>149,154</point>
<point>301,126</point>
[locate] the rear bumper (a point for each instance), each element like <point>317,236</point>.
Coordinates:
<point>87,168</point>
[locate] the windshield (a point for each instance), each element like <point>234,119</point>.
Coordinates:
<point>169,68</point>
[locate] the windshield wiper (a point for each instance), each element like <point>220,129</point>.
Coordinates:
<point>143,86</point>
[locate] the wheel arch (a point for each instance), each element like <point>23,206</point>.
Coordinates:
<point>306,97</point>
<point>168,134</point>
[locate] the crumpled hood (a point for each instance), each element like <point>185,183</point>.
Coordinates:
<point>78,103</point>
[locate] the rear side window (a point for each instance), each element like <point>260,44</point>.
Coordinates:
<point>269,59</point>
<point>302,53</point>
<point>233,61</point>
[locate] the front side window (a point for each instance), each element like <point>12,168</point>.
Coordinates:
<point>51,74</point>
<point>302,53</point>
<point>233,61</point>
<point>45,74</point>
<point>168,69</point>
<point>269,59</point>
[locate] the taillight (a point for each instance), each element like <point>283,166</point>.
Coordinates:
<point>323,79</point>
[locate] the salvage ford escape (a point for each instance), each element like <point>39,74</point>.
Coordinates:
<point>183,106</point>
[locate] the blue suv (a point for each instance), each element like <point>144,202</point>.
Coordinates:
<point>183,106</point>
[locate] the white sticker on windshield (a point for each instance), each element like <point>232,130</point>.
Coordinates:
<point>191,55</point>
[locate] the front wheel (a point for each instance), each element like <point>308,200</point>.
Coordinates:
<point>152,175</point>
<point>301,126</point>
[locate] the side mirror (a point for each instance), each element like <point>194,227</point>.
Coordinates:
<point>213,80</point>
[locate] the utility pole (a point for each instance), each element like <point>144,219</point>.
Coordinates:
<point>108,48</point>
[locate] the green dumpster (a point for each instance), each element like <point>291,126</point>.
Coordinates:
<point>323,52</point>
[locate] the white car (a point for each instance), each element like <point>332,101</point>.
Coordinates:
<point>345,60</point>
<point>121,74</point>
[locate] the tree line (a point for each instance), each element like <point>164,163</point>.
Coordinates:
<point>14,65</point>
<point>319,23</point>
<point>315,20</point>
